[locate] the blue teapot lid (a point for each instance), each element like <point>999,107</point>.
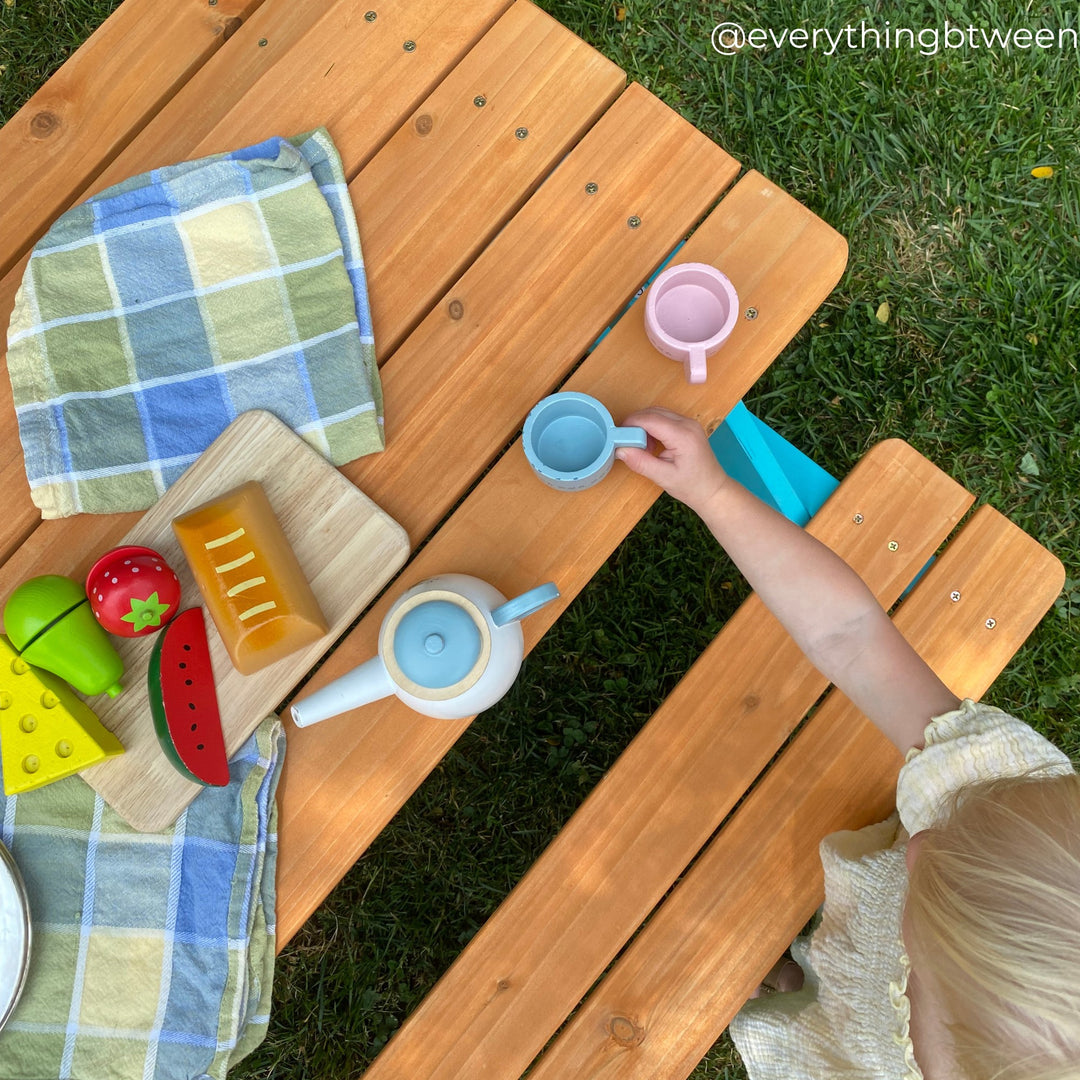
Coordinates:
<point>437,644</point>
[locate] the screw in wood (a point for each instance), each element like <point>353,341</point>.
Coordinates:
<point>521,133</point>
<point>479,101</point>
<point>634,222</point>
<point>858,519</point>
<point>954,596</point>
<point>263,43</point>
<point>991,623</point>
<point>591,188</point>
<point>751,313</point>
<point>371,16</point>
<point>893,545</point>
<point>409,46</point>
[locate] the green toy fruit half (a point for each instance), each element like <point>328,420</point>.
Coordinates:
<point>183,701</point>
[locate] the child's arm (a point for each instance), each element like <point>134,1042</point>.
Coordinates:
<point>821,602</point>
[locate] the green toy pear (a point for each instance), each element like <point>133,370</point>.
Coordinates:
<point>49,621</point>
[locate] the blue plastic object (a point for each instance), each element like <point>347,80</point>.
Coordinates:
<point>437,644</point>
<point>774,470</point>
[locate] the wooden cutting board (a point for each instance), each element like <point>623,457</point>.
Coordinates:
<point>348,549</point>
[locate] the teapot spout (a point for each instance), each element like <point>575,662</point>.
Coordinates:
<point>361,686</point>
<point>525,604</point>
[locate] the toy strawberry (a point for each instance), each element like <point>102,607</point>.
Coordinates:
<point>133,591</point>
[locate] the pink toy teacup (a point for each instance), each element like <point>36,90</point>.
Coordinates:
<point>689,313</point>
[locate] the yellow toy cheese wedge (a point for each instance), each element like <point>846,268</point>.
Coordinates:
<point>46,731</point>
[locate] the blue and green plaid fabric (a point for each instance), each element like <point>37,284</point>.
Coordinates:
<point>153,314</point>
<point>152,954</point>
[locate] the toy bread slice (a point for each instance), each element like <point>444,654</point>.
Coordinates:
<point>250,578</point>
<point>46,731</point>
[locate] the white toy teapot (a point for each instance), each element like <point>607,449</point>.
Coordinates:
<point>450,647</point>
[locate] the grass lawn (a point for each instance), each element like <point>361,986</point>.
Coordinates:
<point>955,326</point>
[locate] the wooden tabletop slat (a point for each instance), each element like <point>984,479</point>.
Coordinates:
<point>521,316</point>
<point>456,392</point>
<point>438,441</point>
<point>645,821</point>
<point>515,532</point>
<point>675,989</point>
<point>469,156</point>
<point>63,137</point>
<point>334,69</point>
<point>319,67</point>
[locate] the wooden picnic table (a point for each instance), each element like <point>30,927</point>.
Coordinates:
<point>513,193</point>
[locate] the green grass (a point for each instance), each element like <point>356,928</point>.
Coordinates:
<point>924,164</point>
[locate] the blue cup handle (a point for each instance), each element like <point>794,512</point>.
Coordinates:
<point>631,436</point>
<point>525,604</point>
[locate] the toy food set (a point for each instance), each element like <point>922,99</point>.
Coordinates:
<point>49,622</point>
<point>46,730</point>
<point>250,578</point>
<point>450,647</point>
<point>183,701</point>
<point>348,549</point>
<point>132,591</point>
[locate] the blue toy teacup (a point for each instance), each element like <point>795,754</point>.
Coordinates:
<point>570,440</point>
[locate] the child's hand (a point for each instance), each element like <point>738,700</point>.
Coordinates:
<point>686,467</point>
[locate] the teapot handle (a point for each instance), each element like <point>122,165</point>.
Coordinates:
<point>525,604</point>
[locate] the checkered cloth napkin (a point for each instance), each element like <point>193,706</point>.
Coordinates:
<point>152,953</point>
<point>154,313</point>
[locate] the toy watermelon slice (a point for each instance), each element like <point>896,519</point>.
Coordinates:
<point>183,701</point>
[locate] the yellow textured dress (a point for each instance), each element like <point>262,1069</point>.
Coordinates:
<point>852,1016</point>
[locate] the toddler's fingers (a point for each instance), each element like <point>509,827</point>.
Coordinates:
<point>644,463</point>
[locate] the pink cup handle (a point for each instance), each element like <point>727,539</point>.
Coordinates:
<point>695,365</point>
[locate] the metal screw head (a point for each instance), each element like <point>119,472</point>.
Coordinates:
<point>371,16</point>
<point>954,596</point>
<point>263,43</point>
<point>591,188</point>
<point>521,133</point>
<point>634,222</point>
<point>991,623</point>
<point>213,3</point>
<point>751,313</point>
<point>479,101</point>
<point>858,519</point>
<point>409,46</point>
<point>893,545</point>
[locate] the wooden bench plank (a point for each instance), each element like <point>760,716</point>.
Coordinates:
<point>535,958</point>
<point>469,167</point>
<point>345,778</point>
<point>675,989</point>
<point>244,94</point>
<point>60,140</point>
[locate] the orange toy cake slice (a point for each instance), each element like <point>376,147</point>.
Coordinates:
<point>249,576</point>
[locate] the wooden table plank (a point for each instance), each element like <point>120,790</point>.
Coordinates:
<point>357,770</point>
<point>518,320</point>
<point>105,93</point>
<point>431,200</point>
<point>668,998</point>
<point>573,248</point>
<point>649,816</point>
<point>343,72</point>
<point>248,92</point>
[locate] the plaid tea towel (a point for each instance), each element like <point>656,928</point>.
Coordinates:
<point>153,953</point>
<point>155,312</point>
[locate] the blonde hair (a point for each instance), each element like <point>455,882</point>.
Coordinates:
<point>992,922</point>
